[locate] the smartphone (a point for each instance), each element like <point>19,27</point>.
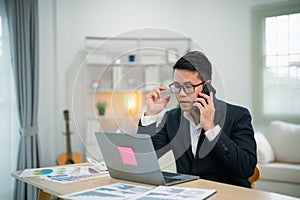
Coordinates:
<point>206,90</point>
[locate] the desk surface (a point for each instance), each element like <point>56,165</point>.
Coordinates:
<point>224,191</point>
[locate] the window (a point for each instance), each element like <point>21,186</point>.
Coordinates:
<point>276,62</point>
<point>281,78</point>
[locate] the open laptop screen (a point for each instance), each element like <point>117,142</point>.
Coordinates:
<point>132,157</point>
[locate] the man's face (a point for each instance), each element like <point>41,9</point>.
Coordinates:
<point>182,77</point>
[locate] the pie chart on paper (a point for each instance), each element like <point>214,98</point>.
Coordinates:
<point>40,172</point>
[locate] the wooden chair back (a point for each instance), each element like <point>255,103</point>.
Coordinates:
<point>255,176</point>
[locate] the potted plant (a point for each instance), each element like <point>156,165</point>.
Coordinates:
<point>101,106</point>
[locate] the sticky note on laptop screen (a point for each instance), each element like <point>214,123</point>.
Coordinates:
<point>127,155</point>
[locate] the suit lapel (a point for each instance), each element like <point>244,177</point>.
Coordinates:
<point>220,112</point>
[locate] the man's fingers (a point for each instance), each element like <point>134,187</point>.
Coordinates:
<point>211,98</point>
<point>167,99</point>
<point>158,90</point>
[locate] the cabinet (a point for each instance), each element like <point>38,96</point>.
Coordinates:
<point>120,72</point>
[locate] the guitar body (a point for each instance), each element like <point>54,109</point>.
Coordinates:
<point>69,157</point>
<point>62,159</point>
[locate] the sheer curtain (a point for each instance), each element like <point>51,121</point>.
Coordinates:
<point>9,137</point>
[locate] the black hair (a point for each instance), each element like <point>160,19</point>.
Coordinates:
<point>195,61</point>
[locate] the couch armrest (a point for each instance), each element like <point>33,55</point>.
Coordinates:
<point>265,152</point>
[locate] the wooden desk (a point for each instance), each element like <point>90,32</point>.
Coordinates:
<point>224,191</point>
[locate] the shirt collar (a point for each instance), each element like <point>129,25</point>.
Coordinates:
<point>189,117</point>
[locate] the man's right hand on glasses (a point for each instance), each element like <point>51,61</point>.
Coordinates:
<point>154,102</point>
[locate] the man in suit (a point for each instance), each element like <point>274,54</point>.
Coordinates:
<point>209,138</point>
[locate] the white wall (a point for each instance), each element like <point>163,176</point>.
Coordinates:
<point>221,28</point>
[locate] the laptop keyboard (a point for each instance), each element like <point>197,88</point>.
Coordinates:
<point>170,177</point>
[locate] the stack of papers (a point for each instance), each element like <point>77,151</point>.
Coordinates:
<point>66,174</point>
<point>135,192</point>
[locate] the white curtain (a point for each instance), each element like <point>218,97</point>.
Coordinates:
<point>9,137</point>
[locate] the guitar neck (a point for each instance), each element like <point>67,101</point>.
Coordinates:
<point>68,141</point>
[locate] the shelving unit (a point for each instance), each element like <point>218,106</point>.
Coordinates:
<point>121,71</point>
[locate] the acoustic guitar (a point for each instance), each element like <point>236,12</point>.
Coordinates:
<point>68,157</point>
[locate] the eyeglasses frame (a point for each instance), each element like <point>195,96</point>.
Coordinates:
<point>182,86</point>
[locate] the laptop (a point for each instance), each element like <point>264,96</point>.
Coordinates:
<point>132,157</point>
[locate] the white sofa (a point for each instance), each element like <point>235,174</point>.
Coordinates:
<point>279,158</point>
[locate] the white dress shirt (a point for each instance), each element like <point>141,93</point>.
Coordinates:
<point>195,130</point>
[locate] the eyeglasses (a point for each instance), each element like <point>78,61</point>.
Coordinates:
<point>188,88</point>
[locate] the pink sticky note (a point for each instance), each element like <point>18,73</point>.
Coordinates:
<point>127,155</point>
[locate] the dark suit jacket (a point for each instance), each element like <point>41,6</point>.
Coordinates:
<point>229,158</point>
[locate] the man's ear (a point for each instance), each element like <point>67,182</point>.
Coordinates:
<point>208,81</point>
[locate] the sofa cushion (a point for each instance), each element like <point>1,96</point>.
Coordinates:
<point>281,172</point>
<point>264,150</point>
<point>284,138</point>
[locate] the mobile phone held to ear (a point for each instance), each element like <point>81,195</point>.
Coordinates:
<point>207,89</point>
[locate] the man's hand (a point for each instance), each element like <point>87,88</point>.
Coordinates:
<point>154,102</point>
<point>207,110</point>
